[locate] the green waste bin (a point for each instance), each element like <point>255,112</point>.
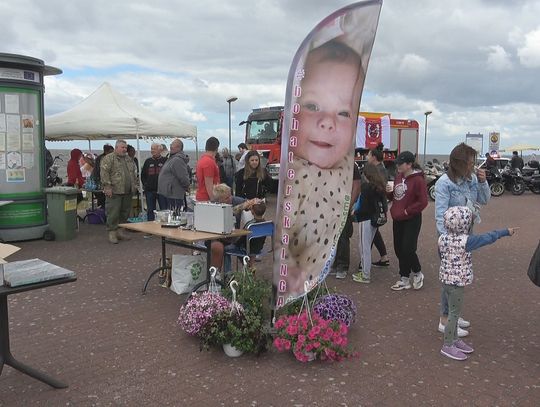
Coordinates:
<point>62,211</point>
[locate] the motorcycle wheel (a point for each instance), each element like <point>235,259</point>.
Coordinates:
<point>497,189</point>
<point>431,192</point>
<point>518,188</point>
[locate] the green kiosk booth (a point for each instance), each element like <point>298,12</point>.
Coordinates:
<point>23,204</point>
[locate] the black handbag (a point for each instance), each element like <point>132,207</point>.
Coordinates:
<point>534,267</point>
<point>379,218</point>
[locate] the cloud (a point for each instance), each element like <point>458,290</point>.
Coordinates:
<point>413,65</point>
<point>466,60</point>
<point>529,52</point>
<point>498,59</point>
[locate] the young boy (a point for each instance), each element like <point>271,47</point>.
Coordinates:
<point>255,245</point>
<point>456,270</point>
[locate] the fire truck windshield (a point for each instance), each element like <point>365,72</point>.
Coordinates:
<point>262,131</point>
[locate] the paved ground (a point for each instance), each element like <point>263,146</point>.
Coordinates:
<point>116,347</point>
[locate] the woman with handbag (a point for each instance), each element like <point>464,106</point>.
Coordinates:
<point>253,180</point>
<point>371,214</point>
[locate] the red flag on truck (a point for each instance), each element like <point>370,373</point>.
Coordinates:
<point>317,150</point>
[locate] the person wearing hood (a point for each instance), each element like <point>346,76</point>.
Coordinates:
<point>462,185</point>
<point>409,199</point>
<point>74,175</point>
<point>456,271</point>
<point>173,180</point>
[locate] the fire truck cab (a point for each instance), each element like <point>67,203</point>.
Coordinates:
<point>263,133</point>
<point>397,135</point>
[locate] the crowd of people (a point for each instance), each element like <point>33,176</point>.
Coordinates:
<point>460,193</point>
<point>167,179</point>
<point>243,182</point>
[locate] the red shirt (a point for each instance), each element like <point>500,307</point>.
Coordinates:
<point>206,167</point>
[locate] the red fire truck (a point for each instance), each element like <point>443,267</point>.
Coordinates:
<point>263,133</point>
<point>397,135</point>
<point>264,125</point>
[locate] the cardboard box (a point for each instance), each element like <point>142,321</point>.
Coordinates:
<point>6,250</point>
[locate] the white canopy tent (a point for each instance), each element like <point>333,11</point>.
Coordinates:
<point>521,147</point>
<point>107,115</point>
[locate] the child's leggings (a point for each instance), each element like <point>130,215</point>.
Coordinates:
<point>454,294</point>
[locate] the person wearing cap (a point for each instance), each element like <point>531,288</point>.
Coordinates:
<point>409,199</point>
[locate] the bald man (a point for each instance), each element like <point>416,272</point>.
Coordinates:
<point>173,181</point>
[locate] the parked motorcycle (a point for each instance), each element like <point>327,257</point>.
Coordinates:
<point>432,173</point>
<point>513,181</point>
<point>495,181</point>
<point>531,176</point>
<point>52,178</point>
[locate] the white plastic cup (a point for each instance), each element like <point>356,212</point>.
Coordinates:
<point>189,220</point>
<point>389,186</point>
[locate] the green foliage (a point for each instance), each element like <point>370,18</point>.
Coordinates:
<point>243,330</point>
<point>252,292</point>
<point>246,330</point>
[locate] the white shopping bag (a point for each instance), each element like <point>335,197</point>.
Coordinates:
<point>187,272</point>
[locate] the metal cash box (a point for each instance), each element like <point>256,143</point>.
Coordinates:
<point>213,217</point>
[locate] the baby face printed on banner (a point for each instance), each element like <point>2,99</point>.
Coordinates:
<point>328,104</point>
<point>320,117</point>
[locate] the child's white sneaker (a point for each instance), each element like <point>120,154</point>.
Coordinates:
<point>462,323</point>
<point>461,333</point>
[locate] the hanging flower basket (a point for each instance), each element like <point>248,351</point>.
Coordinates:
<point>305,336</point>
<point>199,310</point>
<point>337,307</point>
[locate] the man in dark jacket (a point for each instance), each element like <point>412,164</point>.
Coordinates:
<point>96,174</point>
<point>516,161</point>
<point>149,177</point>
<point>173,181</point>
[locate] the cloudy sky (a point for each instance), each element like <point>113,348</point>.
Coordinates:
<point>474,63</point>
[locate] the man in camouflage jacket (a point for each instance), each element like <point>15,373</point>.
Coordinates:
<point>119,182</point>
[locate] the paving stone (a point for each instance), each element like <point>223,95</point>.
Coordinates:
<point>114,346</point>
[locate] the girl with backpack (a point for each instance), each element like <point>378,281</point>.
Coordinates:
<point>371,214</point>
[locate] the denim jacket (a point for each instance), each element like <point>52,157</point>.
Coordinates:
<point>466,192</point>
